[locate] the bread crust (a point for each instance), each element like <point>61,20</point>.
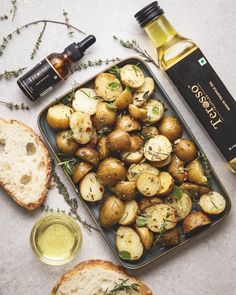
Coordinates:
<point>144,290</point>
<point>31,206</point>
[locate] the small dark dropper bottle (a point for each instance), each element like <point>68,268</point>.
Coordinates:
<point>55,67</point>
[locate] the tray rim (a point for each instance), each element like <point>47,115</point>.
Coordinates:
<point>188,238</point>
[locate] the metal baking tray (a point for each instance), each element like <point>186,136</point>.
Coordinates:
<point>156,251</point>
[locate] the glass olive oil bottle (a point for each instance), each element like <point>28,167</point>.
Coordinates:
<point>196,80</point>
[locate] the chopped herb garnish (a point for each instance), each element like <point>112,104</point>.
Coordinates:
<point>125,255</point>
<point>123,286</point>
<point>114,86</point>
<point>111,106</point>
<point>141,221</point>
<point>155,110</point>
<point>177,193</point>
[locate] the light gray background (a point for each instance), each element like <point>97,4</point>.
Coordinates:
<point>206,266</point>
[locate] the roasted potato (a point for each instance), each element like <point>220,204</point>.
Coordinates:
<point>104,116</point>
<point>146,236</point>
<point>111,211</point>
<point>132,76</point>
<point>103,149</point>
<point>196,173</point>
<point>157,148</point>
<point>126,190</point>
<point>155,111</point>
<point>182,205</point>
<point>148,184</point>
<point>160,164</point>
<point>81,126</point>
<point>80,170</point>
<point>136,143</point>
<point>84,101</point>
<point>149,132</point>
<point>171,128</point>
<point>91,189</point>
<point>176,169</point>
<point>127,123</point>
<point>130,213</point>
<point>142,93</point>
<point>93,140</point>
<point>212,203</point>
<point>166,184</point>
<point>194,220</point>
<point>58,116</point>
<point>160,218</point>
<point>128,243</point>
<point>108,86</point>
<point>88,155</point>
<point>148,202</point>
<point>194,189</point>
<point>135,170</point>
<point>118,140</point>
<point>110,171</point>
<point>170,238</point>
<point>185,149</point>
<point>137,113</point>
<point>65,143</point>
<point>132,157</point>
<point>123,101</point>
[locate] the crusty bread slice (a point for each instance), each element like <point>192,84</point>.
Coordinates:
<point>25,165</point>
<point>97,277</point>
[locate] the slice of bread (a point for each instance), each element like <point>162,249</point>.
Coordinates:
<point>25,165</point>
<point>97,277</point>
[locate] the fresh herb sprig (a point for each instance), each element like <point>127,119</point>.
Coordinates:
<point>123,286</point>
<point>38,41</point>
<point>206,166</point>
<point>14,106</point>
<point>96,62</point>
<point>13,9</point>
<point>67,162</point>
<point>134,45</point>
<point>67,20</point>
<point>7,75</point>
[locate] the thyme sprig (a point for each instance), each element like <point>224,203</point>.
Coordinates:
<point>38,41</point>
<point>67,162</point>
<point>206,166</point>
<point>13,9</point>
<point>7,75</point>
<point>96,62</point>
<point>70,32</point>
<point>9,36</point>
<point>13,106</point>
<point>123,286</point>
<point>134,45</point>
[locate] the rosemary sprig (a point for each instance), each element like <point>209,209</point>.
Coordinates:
<point>8,37</point>
<point>134,45</point>
<point>206,166</point>
<point>7,75</point>
<point>12,106</point>
<point>67,162</point>
<point>123,286</point>
<point>38,41</point>
<point>70,32</point>
<point>13,9</point>
<point>96,62</point>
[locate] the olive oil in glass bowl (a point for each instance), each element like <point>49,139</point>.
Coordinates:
<point>56,238</point>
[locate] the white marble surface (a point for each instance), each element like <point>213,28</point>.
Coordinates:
<point>206,266</point>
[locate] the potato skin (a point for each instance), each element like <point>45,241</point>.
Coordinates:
<point>126,190</point>
<point>194,189</point>
<point>119,140</point>
<point>103,149</point>
<point>176,169</point>
<point>185,149</point>
<point>123,101</point>
<point>196,173</point>
<point>146,236</point>
<point>170,238</point>
<point>111,211</point>
<point>104,117</point>
<point>89,155</point>
<point>58,116</point>
<point>171,128</point>
<point>148,202</point>
<point>80,170</point>
<point>110,171</point>
<point>104,83</point>
<point>136,143</point>
<point>128,124</point>
<point>65,143</point>
<point>194,220</point>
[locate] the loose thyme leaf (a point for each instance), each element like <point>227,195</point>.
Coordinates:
<point>38,41</point>
<point>155,110</point>
<point>141,221</point>
<point>177,193</point>
<point>114,86</point>
<point>125,255</point>
<point>70,32</point>
<point>111,106</point>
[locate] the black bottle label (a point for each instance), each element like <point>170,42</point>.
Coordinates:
<point>39,80</point>
<point>208,98</point>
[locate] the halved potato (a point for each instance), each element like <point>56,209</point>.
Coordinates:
<point>160,164</point>
<point>80,170</point>
<point>155,110</point>
<point>170,238</point>
<point>196,173</point>
<point>123,101</point>
<point>136,143</point>
<point>104,117</point>
<point>81,126</point>
<point>84,101</point>
<point>132,157</point>
<point>149,132</point>
<point>146,236</point>
<point>176,169</point>
<point>128,243</point>
<point>142,93</point>
<point>185,150</point>
<point>89,155</point>
<point>118,140</point>
<point>148,202</point>
<point>212,203</point>
<point>127,123</point>
<point>132,76</point>
<point>130,213</point>
<point>111,211</point>
<point>148,184</point>
<point>135,170</point>
<point>103,148</point>
<point>166,184</point>
<point>194,189</point>
<point>91,189</point>
<point>194,220</point>
<point>108,86</point>
<point>58,116</point>
<point>65,143</point>
<point>171,128</point>
<point>137,113</point>
<point>182,205</point>
<point>93,140</point>
<point>157,148</point>
<point>126,190</point>
<point>160,218</point>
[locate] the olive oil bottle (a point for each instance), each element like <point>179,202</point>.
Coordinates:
<point>196,80</point>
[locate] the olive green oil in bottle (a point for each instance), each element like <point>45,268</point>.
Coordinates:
<point>196,80</point>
